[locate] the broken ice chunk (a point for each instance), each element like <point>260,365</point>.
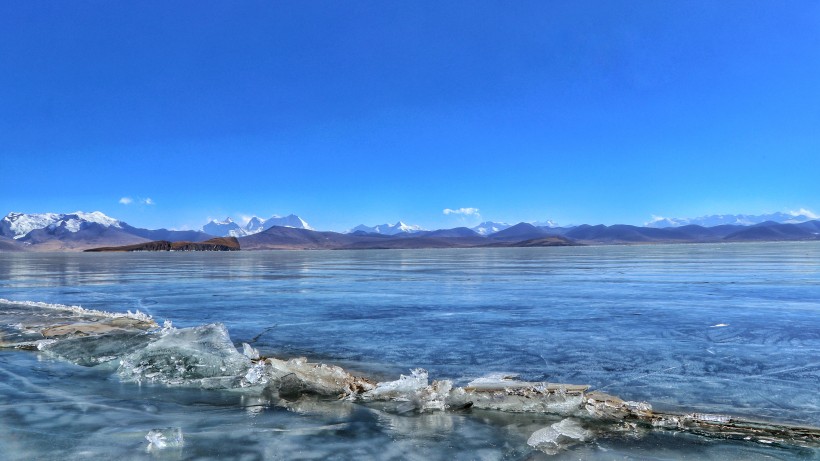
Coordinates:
<point>160,439</point>
<point>291,378</point>
<point>559,436</point>
<point>414,390</point>
<point>201,355</point>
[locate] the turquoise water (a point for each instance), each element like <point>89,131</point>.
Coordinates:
<point>731,329</point>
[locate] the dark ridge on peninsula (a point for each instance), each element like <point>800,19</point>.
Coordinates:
<point>215,244</point>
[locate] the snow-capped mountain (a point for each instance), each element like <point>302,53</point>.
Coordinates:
<point>388,229</point>
<point>228,228</point>
<point>791,217</point>
<point>290,220</point>
<point>490,227</point>
<point>17,225</point>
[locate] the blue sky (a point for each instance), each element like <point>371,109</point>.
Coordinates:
<point>371,112</point>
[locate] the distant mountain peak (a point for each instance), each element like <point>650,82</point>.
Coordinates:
<point>547,223</point>
<point>226,228</point>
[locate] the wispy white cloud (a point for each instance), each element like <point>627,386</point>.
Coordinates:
<point>462,211</point>
<point>141,201</point>
<point>804,212</point>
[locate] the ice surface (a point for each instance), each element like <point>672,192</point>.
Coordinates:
<point>559,436</point>
<point>410,405</point>
<point>203,356</point>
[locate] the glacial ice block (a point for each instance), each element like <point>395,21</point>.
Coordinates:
<point>203,356</point>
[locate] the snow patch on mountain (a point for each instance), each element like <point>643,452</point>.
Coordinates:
<point>388,229</point>
<point>17,225</point>
<point>290,220</point>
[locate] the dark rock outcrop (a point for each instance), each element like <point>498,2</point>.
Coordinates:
<point>215,244</point>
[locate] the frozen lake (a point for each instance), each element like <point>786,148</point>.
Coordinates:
<point>731,329</point>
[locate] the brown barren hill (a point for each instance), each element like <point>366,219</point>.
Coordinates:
<point>215,244</point>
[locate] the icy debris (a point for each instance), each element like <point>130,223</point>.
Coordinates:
<point>201,355</point>
<point>160,439</point>
<point>710,418</point>
<point>415,390</point>
<point>250,352</point>
<point>400,389</point>
<point>559,436</point>
<point>605,406</point>
<point>506,394</point>
<point>81,310</point>
<point>297,376</point>
<point>102,327</point>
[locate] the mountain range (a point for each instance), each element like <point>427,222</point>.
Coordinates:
<point>81,230</point>
<point>792,217</point>
<point>387,229</point>
<point>228,228</point>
